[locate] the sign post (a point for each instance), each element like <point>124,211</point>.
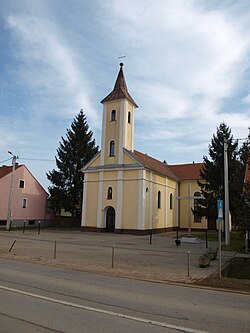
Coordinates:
<point>220,219</point>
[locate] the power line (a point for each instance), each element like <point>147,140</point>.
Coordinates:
<point>6,160</point>
<point>35,159</point>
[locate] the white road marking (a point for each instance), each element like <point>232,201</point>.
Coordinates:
<point>111,313</point>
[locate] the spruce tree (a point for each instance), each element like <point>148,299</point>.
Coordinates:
<point>243,199</point>
<point>74,151</point>
<point>212,174</point>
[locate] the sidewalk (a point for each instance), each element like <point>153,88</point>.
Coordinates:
<point>134,256</point>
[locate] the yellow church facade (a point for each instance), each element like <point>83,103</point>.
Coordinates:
<point>126,191</point>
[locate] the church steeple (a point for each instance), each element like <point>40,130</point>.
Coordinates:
<point>120,89</point>
<point>118,122</point>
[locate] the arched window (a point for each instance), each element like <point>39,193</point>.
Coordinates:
<point>159,199</point>
<point>171,201</point>
<point>197,218</point>
<point>129,117</point>
<point>112,148</point>
<point>113,115</point>
<point>110,193</point>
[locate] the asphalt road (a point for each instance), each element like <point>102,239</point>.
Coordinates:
<point>36,298</point>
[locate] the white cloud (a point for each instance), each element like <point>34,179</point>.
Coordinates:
<point>188,49</point>
<point>50,66</point>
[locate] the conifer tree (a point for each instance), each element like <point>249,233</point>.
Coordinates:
<point>212,174</point>
<point>243,200</point>
<point>73,153</point>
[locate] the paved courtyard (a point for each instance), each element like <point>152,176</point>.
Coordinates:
<point>134,256</point>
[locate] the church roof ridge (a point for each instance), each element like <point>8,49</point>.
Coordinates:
<point>120,89</point>
<point>153,164</point>
<point>188,171</point>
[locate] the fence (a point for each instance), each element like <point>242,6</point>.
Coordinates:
<point>137,259</point>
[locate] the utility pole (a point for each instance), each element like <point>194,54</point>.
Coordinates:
<point>9,214</point>
<point>226,192</point>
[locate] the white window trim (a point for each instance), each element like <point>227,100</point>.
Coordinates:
<point>107,191</point>
<point>114,147</point>
<point>23,183</point>
<point>26,202</point>
<point>170,200</point>
<point>129,120</point>
<point>111,115</point>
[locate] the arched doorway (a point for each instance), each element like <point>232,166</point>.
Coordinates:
<point>110,219</point>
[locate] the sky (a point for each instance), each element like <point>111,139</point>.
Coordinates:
<point>187,66</point>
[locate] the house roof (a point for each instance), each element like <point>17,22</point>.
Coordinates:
<point>247,173</point>
<point>153,164</point>
<point>187,171</point>
<point>5,170</point>
<point>120,89</point>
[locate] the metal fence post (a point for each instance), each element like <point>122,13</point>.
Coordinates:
<point>55,249</point>
<point>188,264</point>
<point>12,245</point>
<point>24,226</point>
<point>150,238</point>
<point>113,255</point>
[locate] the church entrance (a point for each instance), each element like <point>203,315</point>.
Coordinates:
<point>110,219</point>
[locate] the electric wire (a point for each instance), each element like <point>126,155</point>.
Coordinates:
<point>8,159</point>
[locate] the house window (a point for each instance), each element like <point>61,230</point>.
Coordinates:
<point>129,117</point>
<point>24,203</point>
<point>159,199</point>
<point>113,115</point>
<point>110,193</point>
<point>171,201</point>
<point>21,183</point>
<point>197,218</point>
<point>112,148</point>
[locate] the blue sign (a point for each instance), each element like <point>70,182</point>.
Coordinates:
<point>220,209</point>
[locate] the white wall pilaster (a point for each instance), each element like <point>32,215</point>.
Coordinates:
<point>84,200</point>
<point>141,200</point>
<point>151,200</point>
<point>133,126</point>
<point>118,222</point>
<point>121,132</point>
<point>103,146</point>
<point>100,194</point>
<point>166,203</point>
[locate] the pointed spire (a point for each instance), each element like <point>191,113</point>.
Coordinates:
<point>120,89</point>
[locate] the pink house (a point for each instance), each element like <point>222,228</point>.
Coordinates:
<point>29,197</point>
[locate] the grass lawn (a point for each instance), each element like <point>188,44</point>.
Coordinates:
<point>237,241</point>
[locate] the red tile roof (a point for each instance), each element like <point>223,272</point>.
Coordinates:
<point>120,90</point>
<point>187,171</point>
<point>153,164</point>
<point>4,170</point>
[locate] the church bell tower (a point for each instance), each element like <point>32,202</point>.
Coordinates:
<point>117,123</point>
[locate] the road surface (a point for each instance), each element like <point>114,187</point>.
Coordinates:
<point>36,298</point>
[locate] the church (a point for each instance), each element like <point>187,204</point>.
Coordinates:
<point>127,191</point>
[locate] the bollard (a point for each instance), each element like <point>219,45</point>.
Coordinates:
<point>150,238</point>
<point>188,263</point>
<point>23,227</point>
<point>10,225</point>
<point>206,240</point>
<point>39,227</point>
<point>177,241</point>
<point>113,255</point>
<point>12,245</point>
<point>55,249</point>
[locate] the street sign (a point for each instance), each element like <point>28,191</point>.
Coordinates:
<point>220,209</point>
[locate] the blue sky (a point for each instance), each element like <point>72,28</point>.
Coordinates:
<point>187,67</point>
